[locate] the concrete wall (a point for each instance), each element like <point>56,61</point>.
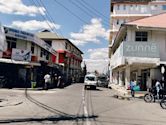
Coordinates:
<point>160,38</point>
<point>58,44</point>
<point>21,44</point>
<point>153,36</point>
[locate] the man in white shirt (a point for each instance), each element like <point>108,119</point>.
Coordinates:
<point>158,88</point>
<point>47,79</point>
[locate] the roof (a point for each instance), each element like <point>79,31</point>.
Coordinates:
<point>156,21</point>
<point>47,35</point>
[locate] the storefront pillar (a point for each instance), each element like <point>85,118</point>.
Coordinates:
<point>127,76</point>
<point>120,79</point>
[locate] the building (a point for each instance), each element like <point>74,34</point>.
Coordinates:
<point>139,53</point>
<point>25,58</point>
<point>70,57</point>
<point>123,11</point>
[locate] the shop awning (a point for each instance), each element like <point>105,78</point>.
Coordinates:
<point>19,62</point>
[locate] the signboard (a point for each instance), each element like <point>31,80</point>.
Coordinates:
<point>19,34</point>
<point>21,55</point>
<point>3,45</point>
<point>141,49</point>
<point>28,37</point>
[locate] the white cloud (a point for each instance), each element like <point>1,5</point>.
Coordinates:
<point>90,33</point>
<point>98,60</point>
<point>100,53</point>
<point>17,7</point>
<point>34,25</point>
<point>100,65</point>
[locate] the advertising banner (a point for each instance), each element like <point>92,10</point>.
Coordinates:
<point>21,55</point>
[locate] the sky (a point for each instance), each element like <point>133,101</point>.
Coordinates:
<point>84,22</point>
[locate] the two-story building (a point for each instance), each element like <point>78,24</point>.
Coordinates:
<point>70,56</point>
<point>139,52</point>
<point>26,58</point>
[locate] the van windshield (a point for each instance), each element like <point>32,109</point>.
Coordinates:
<point>90,78</point>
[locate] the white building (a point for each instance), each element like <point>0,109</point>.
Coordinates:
<point>123,11</point>
<point>24,58</point>
<point>139,52</point>
<point>70,56</point>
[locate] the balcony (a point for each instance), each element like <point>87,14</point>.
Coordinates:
<point>135,52</point>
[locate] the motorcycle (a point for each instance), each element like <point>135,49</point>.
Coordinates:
<point>151,95</point>
<point>163,103</point>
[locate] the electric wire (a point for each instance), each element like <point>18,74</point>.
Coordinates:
<point>81,6</point>
<point>49,16</point>
<point>95,10</point>
<point>44,18</point>
<point>72,13</point>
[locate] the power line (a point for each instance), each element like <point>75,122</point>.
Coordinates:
<point>44,18</point>
<point>93,8</point>
<point>106,19</point>
<point>85,11</point>
<point>49,16</point>
<point>79,18</point>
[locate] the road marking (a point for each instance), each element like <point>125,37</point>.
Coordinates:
<point>85,108</point>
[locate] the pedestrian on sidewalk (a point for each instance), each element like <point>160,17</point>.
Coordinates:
<point>158,88</point>
<point>132,85</point>
<point>47,81</point>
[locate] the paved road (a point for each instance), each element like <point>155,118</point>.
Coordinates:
<point>75,106</point>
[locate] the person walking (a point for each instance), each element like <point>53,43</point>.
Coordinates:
<point>158,88</point>
<point>47,79</point>
<point>132,85</point>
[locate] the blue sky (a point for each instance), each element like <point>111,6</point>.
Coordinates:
<point>88,29</point>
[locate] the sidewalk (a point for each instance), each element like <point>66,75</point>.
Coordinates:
<point>122,92</point>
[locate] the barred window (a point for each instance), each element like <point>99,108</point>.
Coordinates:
<point>141,36</point>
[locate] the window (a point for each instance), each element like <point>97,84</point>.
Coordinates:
<point>124,7</point>
<point>164,7</point>
<point>47,55</point>
<point>48,42</point>
<point>32,48</point>
<point>11,42</point>
<point>117,22</point>
<point>118,7</point>
<point>141,36</point>
<point>41,52</point>
<point>66,45</point>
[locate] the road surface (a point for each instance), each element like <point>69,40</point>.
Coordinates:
<point>75,106</point>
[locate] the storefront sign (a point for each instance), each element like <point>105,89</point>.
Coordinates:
<point>19,34</point>
<point>141,49</point>
<point>21,55</point>
<point>28,37</point>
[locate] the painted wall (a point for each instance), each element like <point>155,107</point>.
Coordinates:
<point>21,44</point>
<point>58,44</point>
<point>153,36</point>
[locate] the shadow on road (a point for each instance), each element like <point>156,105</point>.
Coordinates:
<point>94,89</point>
<point>53,119</point>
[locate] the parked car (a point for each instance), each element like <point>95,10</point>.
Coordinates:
<point>90,81</point>
<point>102,81</point>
